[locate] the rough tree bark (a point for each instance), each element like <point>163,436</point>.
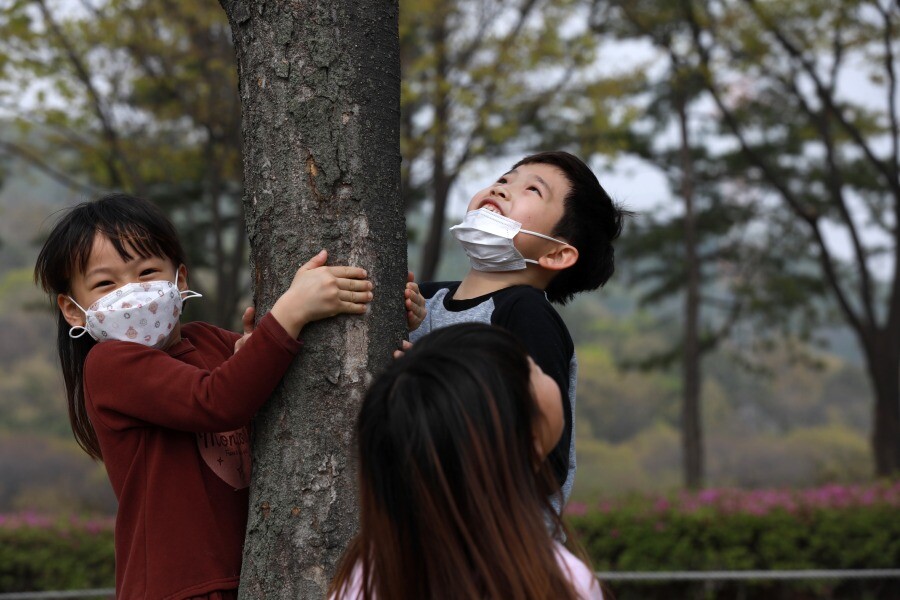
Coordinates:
<point>320,96</point>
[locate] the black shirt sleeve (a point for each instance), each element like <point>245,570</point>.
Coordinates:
<point>527,313</point>
<point>430,288</point>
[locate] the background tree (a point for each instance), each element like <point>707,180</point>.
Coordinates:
<point>818,161</point>
<point>700,251</point>
<point>831,157</point>
<point>671,100</point>
<point>320,91</point>
<point>140,97</point>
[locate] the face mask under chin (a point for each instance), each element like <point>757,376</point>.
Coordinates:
<point>487,239</point>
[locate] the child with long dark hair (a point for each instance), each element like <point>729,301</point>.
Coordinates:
<point>454,488</point>
<point>165,405</point>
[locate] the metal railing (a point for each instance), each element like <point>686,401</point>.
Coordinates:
<point>609,576</point>
<point>809,574</point>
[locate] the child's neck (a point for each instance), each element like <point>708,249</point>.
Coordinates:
<point>479,283</point>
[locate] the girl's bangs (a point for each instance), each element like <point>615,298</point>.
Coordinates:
<point>126,239</point>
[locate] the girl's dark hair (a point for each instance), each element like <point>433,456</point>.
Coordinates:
<point>454,500</point>
<point>132,225</point>
<point>591,221</point>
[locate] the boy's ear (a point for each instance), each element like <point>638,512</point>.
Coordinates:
<point>71,313</point>
<point>561,257</point>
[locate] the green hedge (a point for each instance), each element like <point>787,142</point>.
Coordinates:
<point>835,527</point>
<point>37,553</point>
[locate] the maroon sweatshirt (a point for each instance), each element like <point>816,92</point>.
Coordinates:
<point>180,525</point>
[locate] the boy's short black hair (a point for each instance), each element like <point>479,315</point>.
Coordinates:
<point>590,223</point>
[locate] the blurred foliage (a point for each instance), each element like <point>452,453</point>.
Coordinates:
<point>138,97</point>
<point>39,554</point>
<point>792,110</point>
<point>53,476</point>
<point>793,423</point>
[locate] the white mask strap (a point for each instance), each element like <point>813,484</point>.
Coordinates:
<point>76,327</point>
<point>76,304</point>
<point>546,237</point>
<point>80,334</point>
<point>186,293</point>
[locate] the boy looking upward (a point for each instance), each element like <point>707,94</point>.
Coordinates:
<point>540,234</point>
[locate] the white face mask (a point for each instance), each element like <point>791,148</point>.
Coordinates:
<point>144,313</point>
<point>487,238</point>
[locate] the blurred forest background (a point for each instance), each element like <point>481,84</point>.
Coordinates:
<point>750,335</point>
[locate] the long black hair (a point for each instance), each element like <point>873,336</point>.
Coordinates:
<point>131,224</point>
<point>454,498</point>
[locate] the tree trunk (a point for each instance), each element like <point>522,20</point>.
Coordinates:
<point>691,422</point>
<point>882,351</point>
<point>320,95</point>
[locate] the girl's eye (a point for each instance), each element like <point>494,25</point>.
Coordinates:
<point>501,180</point>
<point>101,284</point>
<point>147,272</point>
<point>536,190</point>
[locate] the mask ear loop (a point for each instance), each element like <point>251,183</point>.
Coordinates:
<point>186,294</point>
<point>546,237</point>
<point>83,328</point>
<point>83,331</point>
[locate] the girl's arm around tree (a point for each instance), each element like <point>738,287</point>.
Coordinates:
<point>131,385</point>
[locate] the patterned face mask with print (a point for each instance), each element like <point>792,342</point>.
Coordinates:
<point>143,312</point>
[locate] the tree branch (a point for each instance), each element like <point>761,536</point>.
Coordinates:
<point>109,132</point>
<point>774,180</point>
<point>835,182</point>
<point>795,53</point>
<point>55,174</point>
<point>488,96</point>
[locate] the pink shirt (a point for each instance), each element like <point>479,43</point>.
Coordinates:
<point>586,585</point>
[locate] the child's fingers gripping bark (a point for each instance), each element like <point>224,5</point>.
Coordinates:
<point>318,292</point>
<point>354,294</point>
<point>415,304</point>
<point>328,291</point>
<point>404,346</point>
<point>316,261</point>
